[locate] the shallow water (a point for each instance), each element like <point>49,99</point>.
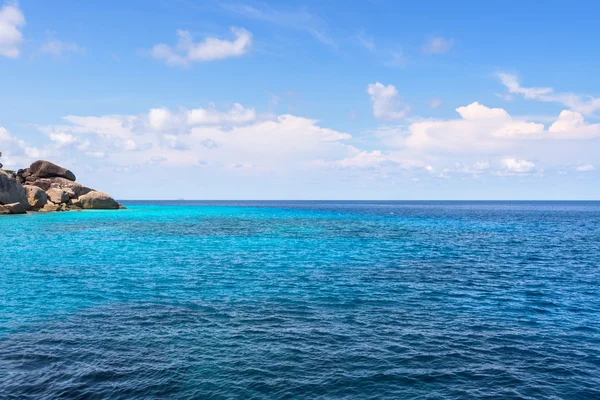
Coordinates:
<point>303,300</point>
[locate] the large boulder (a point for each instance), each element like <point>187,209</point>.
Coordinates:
<point>36,197</point>
<point>97,201</point>
<point>11,191</point>
<point>69,186</point>
<point>57,196</point>
<point>50,207</point>
<point>16,208</point>
<point>46,169</point>
<point>43,184</point>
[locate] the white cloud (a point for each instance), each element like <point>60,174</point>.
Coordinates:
<point>512,166</point>
<point>209,49</point>
<point>492,133</point>
<point>56,47</point>
<point>480,129</point>
<point>16,152</point>
<point>475,169</point>
<point>4,135</point>
<point>361,159</point>
<point>476,111</point>
<point>578,103</point>
<point>585,168</point>
<point>111,126</point>
<point>237,140</point>
<point>437,45</point>
<point>62,139</point>
<point>159,118</point>
<point>216,137</point>
<point>163,119</point>
<point>386,104</point>
<point>11,21</point>
<point>571,125</point>
<point>486,130</point>
<point>129,145</point>
<point>237,114</point>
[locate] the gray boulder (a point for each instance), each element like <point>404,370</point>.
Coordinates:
<point>50,207</point>
<point>36,197</point>
<point>46,169</point>
<point>16,208</point>
<point>97,201</point>
<point>43,184</point>
<point>57,196</point>
<point>11,191</point>
<point>64,184</point>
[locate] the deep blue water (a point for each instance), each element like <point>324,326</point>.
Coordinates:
<point>302,300</point>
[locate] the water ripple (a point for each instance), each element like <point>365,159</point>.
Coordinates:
<point>303,300</point>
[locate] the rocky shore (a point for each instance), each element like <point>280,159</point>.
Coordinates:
<point>46,187</point>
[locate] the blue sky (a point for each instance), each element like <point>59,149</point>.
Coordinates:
<point>306,99</point>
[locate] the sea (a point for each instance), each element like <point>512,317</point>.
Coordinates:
<point>302,300</point>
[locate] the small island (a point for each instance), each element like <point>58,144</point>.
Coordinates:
<point>47,187</point>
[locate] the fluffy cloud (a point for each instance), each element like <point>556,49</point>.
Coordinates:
<point>159,118</point>
<point>11,21</point>
<point>480,141</point>
<point>359,159</point>
<point>62,139</point>
<point>437,45</point>
<point>476,111</point>
<point>513,166</point>
<point>477,168</point>
<point>209,49</point>
<point>386,104</point>
<point>488,130</point>
<point>508,144</point>
<point>571,125</point>
<point>206,136</point>
<point>237,114</point>
<point>163,119</point>
<point>581,104</point>
<point>480,129</point>
<point>15,151</point>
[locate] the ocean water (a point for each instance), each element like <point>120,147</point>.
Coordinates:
<point>302,300</point>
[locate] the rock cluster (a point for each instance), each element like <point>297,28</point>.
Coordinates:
<point>45,186</point>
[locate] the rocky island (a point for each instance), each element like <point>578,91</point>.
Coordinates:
<point>45,187</point>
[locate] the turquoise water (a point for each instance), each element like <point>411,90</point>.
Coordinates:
<point>302,300</point>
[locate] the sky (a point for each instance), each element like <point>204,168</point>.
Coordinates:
<point>185,99</point>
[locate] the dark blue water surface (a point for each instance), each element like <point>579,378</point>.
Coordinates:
<point>302,300</point>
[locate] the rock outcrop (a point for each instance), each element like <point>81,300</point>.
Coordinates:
<point>11,191</point>
<point>68,186</point>
<point>36,197</point>
<point>97,201</point>
<point>16,208</point>
<point>46,169</point>
<point>46,187</point>
<point>57,196</point>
